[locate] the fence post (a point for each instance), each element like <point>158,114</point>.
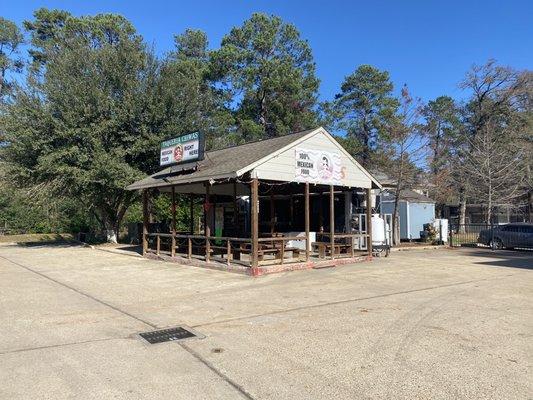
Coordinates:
<point>492,237</point>
<point>451,235</point>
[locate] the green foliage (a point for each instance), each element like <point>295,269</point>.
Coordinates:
<point>271,71</point>
<point>365,109</point>
<point>11,39</point>
<point>82,131</point>
<point>442,128</point>
<point>22,213</point>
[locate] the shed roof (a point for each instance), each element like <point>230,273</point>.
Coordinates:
<point>229,162</point>
<point>410,196</point>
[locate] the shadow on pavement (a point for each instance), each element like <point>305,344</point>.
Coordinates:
<point>130,248</point>
<point>505,258</point>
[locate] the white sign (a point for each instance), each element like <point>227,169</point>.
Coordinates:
<point>318,166</point>
<point>183,148</point>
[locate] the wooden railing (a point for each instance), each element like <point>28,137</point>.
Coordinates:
<point>230,249</point>
<point>213,246</point>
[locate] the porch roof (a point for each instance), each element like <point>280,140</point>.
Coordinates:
<point>227,163</point>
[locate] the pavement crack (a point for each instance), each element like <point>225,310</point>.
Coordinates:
<point>80,292</point>
<point>52,346</point>
<point>223,376</point>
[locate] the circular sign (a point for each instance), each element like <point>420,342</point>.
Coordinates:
<point>178,153</point>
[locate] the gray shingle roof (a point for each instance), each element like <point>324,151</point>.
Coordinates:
<point>220,164</point>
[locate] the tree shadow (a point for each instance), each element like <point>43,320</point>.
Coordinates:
<point>505,258</point>
<point>131,248</point>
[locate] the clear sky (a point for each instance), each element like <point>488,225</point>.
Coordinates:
<point>428,44</point>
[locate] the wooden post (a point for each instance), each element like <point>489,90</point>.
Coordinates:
<point>254,198</point>
<point>332,220</point>
<point>158,244</point>
<point>320,213</point>
<point>369,221</point>
<point>189,248</point>
<point>191,213</point>
<point>145,221</point>
<point>307,244</point>
<point>228,249</point>
<point>173,194</point>
<point>291,204</point>
<point>235,209</point>
<point>207,223</point>
<point>272,216</point>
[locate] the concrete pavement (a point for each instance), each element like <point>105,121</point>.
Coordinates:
<point>442,324</point>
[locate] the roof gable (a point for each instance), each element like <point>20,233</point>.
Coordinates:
<point>235,161</point>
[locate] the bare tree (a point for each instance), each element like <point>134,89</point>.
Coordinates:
<point>403,149</point>
<point>493,168</point>
<point>495,117</point>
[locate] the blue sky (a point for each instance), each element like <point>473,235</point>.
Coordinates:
<point>428,45</point>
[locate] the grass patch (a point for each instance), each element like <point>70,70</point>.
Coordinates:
<point>39,238</point>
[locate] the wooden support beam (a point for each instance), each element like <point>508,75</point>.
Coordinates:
<point>307,243</point>
<point>235,209</point>
<point>332,220</point>
<point>369,221</point>
<point>191,213</point>
<point>145,195</point>
<point>254,215</point>
<point>291,204</point>
<point>320,213</point>
<point>228,252</point>
<point>189,248</point>
<point>207,209</point>
<point>272,216</point>
<point>158,244</point>
<point>173,195</point>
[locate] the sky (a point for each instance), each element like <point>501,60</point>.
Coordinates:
<point>428,45</point>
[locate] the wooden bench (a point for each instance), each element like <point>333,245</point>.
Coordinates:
<point>245,249</point>
<point>324,248</point>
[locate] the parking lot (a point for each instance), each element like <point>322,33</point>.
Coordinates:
<point>440,324</point>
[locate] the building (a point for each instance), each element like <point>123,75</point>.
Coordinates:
<point>415,210</point>
<point>269,205</point>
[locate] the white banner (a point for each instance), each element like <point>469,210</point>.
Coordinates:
<point>318,167</point>
<point>183,148</point>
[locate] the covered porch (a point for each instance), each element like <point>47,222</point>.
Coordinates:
<point>259,226</point>
<point>291,202</point>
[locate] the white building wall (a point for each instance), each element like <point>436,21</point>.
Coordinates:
<point>283,166</point>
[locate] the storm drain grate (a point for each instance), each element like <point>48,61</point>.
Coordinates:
<point>167,335</point>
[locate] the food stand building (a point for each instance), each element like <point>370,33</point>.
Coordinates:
<point>277,204</point>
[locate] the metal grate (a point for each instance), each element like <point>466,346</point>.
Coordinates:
<point>167,335</point>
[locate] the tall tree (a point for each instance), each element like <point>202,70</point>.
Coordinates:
<point>496,117</point>
<point>441,128</point>
<point>189,99</point>
<point>270,70</point>
<point>81,130</point>
<point>365,108</point>
<point>11,39</point>
<point>45,32</point>
<point>402,150</point>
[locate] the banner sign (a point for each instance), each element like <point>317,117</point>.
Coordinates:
<point>317,166</point>
<point>184,148</point>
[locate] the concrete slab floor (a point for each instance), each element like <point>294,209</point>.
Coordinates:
<point>443,324</point>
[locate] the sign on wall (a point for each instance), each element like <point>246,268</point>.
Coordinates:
<point>318,167</point>
<point>184,148</point>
